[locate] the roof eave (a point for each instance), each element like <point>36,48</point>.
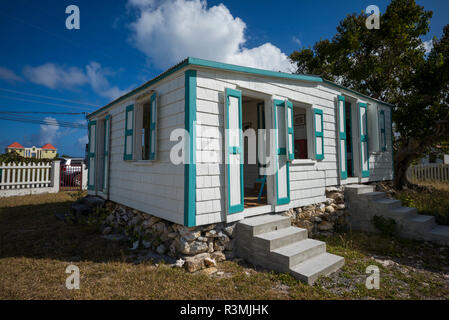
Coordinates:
<point>190,61</point>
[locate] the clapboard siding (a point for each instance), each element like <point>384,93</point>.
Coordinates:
<point>307,182</point>
<point>156,188</point>
<point>381,164</point>
<point>306,188</point>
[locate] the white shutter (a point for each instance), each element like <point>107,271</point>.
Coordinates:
<point>234,151</point>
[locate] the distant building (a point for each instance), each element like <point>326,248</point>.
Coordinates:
<point>438,154</point>
<point>46,152</point>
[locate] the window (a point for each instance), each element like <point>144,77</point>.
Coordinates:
<point>145,124</point>
<point>319,137</point>
<point>383,138</point>
<point>146,131</point>
<point>300,125</point>
<point>129,130</point>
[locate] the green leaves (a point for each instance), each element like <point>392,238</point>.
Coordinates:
<point>390,64</point>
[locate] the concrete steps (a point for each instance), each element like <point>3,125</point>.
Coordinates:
<point>323,264</point>
<point>270,241</point>
<point>280,238</point>
<point>363,204</point>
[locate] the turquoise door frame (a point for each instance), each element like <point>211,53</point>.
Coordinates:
<point>233,150</point>
<point>364,139</point>
<point>91,155</point>
<point>342,137</point>
<point>348,106</point>
<point>280,152</point>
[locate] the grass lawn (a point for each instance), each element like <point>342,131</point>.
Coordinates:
<point>36,248</point>
<point>434,201</point>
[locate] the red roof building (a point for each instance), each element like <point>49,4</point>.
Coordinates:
<point>15,145</point>
<point>48,146</point>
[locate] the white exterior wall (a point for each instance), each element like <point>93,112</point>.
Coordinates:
<point>381,163</point>
<point>308,179</point>
<point>155,187</point>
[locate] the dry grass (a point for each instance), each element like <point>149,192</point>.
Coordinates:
<point>433,201</point>
<point>36,248</point>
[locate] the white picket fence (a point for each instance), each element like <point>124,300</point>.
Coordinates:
<point>431,172</point>
<point>29,178</point>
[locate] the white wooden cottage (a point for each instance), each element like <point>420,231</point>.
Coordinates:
<point>324,135</point>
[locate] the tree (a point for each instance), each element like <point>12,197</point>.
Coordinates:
<point>391,64</point>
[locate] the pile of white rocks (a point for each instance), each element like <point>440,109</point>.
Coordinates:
<point>202,247</point>
<point>322,218</point>
<point>195,248</point>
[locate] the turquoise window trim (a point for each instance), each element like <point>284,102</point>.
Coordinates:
<point>153,126</point>
<point>90,155</point>
<point>318,134</point>
<point>342,136</point>
<point>364,138</point>
<point>190,165</point>
<point>281,152</point>
<point>235,150</point>
<point>351,145</point>
<point>290,131</point>
<point>107,134</point>
<point>382,130</point>
<point>129,132</point>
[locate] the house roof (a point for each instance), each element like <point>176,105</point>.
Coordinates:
<point>15,145</point>
<point>190,61</point>
<point>48,146</point>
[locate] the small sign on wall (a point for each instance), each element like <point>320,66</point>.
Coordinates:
<point>300,120</point>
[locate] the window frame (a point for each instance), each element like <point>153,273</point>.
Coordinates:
<point>139,104</point>
<point>309,134</point>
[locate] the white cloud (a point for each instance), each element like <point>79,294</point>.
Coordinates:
<point>296,40</point>
<point>428,46</point>
<point>170,31</point>
<point>49,132</point>
<point>54,76</point>
<point>83,140</point>
<point>100,84</point>
<point>9,75</point>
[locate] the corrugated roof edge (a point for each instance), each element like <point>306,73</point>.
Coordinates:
<point>229,67</point>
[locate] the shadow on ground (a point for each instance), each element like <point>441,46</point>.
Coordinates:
<point>33,231</point>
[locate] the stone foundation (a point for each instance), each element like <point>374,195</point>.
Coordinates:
<point>195,248</point>
<point>322,218</point>
<point>201,247</point>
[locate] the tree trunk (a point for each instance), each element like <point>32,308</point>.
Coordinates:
<point>408,151</point>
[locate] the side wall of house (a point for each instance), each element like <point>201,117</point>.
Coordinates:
<point>380,163</point>
<point>155,187</point>
<point>308,180</point>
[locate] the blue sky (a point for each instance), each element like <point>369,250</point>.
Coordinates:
<point>122,44</point>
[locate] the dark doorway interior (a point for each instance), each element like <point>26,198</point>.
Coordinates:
<point>253,119</point>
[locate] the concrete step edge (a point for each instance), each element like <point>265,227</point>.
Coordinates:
<point>281,237</point>
<point>324,264</point>
<point>301,250</point>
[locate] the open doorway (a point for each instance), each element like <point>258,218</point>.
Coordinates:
<point>255,183</point>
